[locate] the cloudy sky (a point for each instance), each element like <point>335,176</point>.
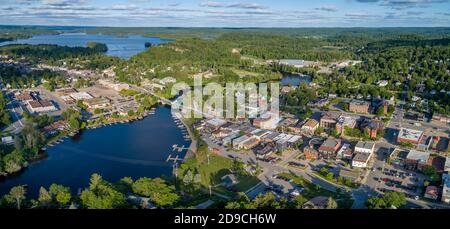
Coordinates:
<point>227,13</point>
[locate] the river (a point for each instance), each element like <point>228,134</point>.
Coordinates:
<point>137,149</point>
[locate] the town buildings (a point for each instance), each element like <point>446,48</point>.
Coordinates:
<point>97,103</point>
<point>268,120</point>
<point>344,122</point>
<point>328,121</point>
<point>329,148</point>
<point>113,85</point>
<point>39,106</point>
<point>409,136</point>
<point>310,126</point>
<point>416,159</point>
<point>358,106</point>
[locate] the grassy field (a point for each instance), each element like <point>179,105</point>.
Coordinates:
<point>344,200</point>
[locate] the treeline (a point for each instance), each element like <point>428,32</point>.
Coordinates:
<point>37,53</point>
<point>270,46</point>
<point>17,77</point>
<point>100,194</point>
<point>5,118</point>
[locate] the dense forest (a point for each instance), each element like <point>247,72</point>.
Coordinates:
<point>5,118</point>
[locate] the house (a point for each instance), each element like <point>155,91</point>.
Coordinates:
<point>8,140</point>
<point>318,202</point>
<point>310,126</point>
<point>329,148</point>
<point>409,136</point>
<point>229,180</point>
<point>431,192</point>
<point>328,121</point>
<point>311,153</point>
<point>168,80</point>
<point>446,188</point>
<point>416,159</point>
<point>286,89</point>
<point>341,153</point>
<point>382,83</point>
<point>97,103</point>
<point>365,147</point>
<point>358,106</point>
<point>293,63</point>
<point>37,106</point>
<point>345,122</point>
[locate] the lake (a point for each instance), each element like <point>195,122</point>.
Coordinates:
<point>295,79</point>
<point>137,149</point>
<point>123,47</point>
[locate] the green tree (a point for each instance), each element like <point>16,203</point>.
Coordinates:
<point>101,195</point>
<point>16,196</point>
<point>60,194</point>
<point>161,193</point>
<point>45,198</point>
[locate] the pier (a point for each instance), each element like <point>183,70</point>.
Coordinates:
<point>174,159</point>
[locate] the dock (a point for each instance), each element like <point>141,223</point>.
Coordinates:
<point>179,148</point>
<point>174,159</point>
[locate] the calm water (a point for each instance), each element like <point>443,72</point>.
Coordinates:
<point>295,79</point>
<point>123,47</point>
<point>135,149</point>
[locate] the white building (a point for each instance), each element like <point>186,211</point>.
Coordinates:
<point>340,153</point>
<point>361,160</point>
<point>37,106</point>
<point>81,95</point>
<point>115,86</point>
<point>268,120</point>
<point>365,147</point>
<point>8,140</point>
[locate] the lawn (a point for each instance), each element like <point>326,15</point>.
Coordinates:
<point>245,183</point>
<point>344,200</point>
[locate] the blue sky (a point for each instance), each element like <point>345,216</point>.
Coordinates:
<point>227,13</point>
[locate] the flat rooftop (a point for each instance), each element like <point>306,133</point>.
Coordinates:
<point>363,157</point>
<point>216,122</point>
<point>418,156</point>
<point>410,134</point>
<point>365,145</point>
